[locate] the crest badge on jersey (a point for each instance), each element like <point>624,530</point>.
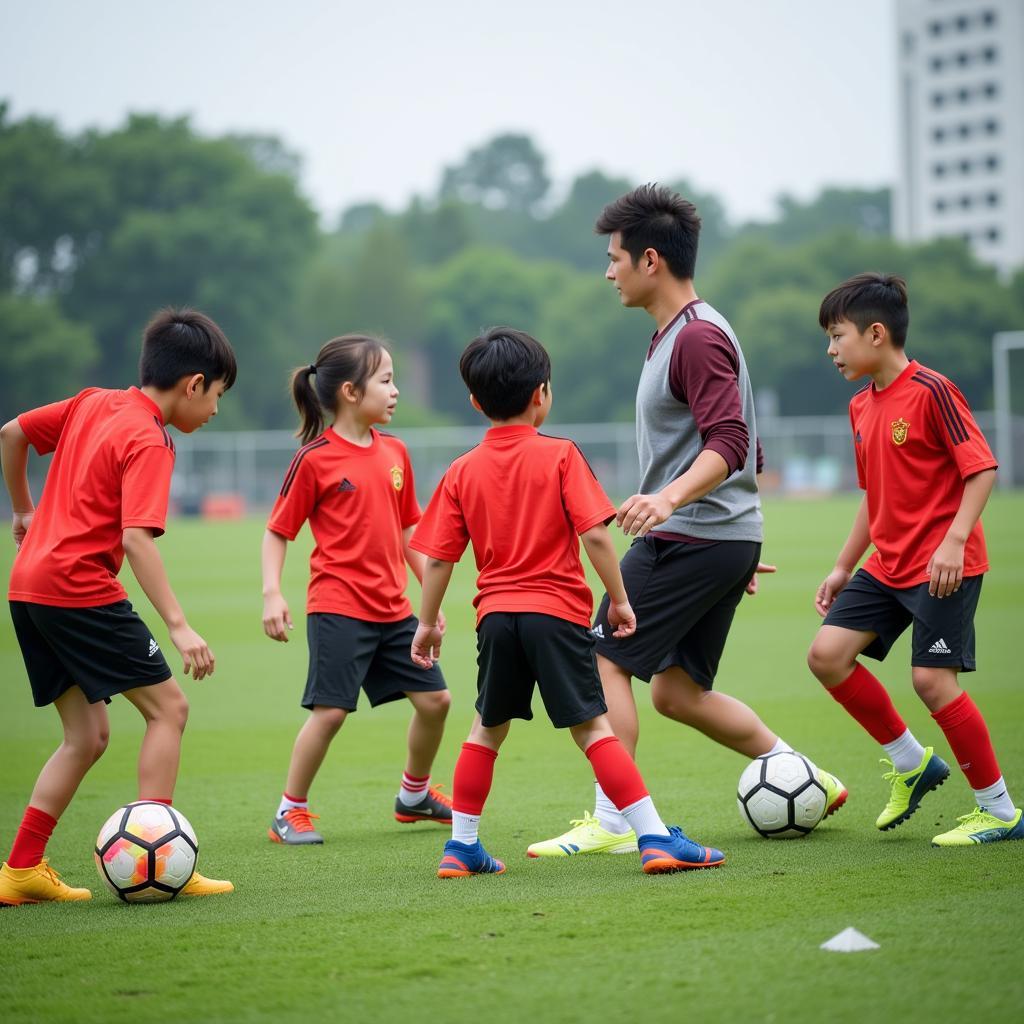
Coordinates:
<point>397,477</point>
<point>899,431</point>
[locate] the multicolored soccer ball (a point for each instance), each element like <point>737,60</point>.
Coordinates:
<point>146,852</point>
<point>780,797</point>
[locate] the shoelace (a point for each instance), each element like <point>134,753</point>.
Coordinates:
<point>975,817</point>
<point>51,875</point>
<point>300,819</point>
<point>587,819</point>
<point>442,798</point>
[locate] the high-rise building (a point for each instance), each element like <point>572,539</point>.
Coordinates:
<point>961,125</point>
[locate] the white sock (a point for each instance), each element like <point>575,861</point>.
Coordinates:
<point>465,827</point>
<point>781,747</point>
<point>413,790</point>
<point>608,814</point>
<point>644,819</point>
<point>287,804</point>
<point>905,752</point>
<point>996,800</point>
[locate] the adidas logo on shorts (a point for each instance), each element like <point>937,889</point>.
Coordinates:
<point>939,647</point>
<point>598,631</point>
<point>153,647</point>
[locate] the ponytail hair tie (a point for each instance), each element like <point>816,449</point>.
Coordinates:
<point>311,368</point>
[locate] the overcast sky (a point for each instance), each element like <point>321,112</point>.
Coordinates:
<point>746,98</point>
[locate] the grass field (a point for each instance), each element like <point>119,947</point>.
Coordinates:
<point>360,929</point>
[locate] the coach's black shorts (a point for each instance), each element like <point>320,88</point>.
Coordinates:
<point>684,596</point>
<point>103,650</point>
<point>346,655</point>
<point>943,628</point>
<point>515,650</point>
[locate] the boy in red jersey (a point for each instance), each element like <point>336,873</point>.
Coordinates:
<point>105,498</point>
<point>927,472</point>
<point>524,501</point>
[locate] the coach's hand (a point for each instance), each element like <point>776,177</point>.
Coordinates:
<point>198,658</point>
<point>642,513</point>
<point>831,586</point>
<point>426,644</point>
<point>623,618</point>
<point>761,567</point>
<point>277,619</point>
<point>946,568</point>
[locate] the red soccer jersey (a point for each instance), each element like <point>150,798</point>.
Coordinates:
<point>522,499</point>
<point>358,501</point>
<point>916,442</point>
<point>111,469</point>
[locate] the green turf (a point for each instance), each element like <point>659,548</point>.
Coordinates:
<point>360,929</point>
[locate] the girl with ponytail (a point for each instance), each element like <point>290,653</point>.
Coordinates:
<point>354,484</point>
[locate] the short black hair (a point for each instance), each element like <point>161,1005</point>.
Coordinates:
<point>866,299</point>
<point>179,342</point>
<point>654,217</point>
<point>502,368</point>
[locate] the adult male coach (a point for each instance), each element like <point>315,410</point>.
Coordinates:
<point>697,517</point>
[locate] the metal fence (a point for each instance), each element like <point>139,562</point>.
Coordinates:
<point>803,455</point>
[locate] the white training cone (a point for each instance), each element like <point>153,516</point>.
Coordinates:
<point>849,940</point>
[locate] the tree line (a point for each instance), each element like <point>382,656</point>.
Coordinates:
<point>99,228</point>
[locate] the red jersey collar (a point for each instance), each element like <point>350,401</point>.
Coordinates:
<point>879,396</point>
<point>510,430</point>
<point>353,449</point>
<point>140,396</point>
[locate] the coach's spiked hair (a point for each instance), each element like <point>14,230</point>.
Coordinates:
<point>654,217</point>
<point>353,358</point>
<point>180,342</point>
<point>867,299</point>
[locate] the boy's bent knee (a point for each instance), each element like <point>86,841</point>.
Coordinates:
<point>433,703</point>
<point>935,686</point>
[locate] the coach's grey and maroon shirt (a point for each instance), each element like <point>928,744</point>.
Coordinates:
<point>694,393</point>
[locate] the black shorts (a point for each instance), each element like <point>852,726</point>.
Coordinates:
<point>684,596</point>
<point>515,650</point>
<point>346,655</point>
<point>943,628</point>
<point>103,650</point>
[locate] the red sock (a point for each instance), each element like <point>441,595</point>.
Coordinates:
<point>30,842</point>
<point>616,772</point>
<point>867,700</point>
<point>474,772</point>
<point>156,800</point>
<point>969,740</point>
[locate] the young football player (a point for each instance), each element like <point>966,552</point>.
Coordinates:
<point>927,472</point>
<point>354,485</point>
<point>525,501</point>
<point>105,499</point>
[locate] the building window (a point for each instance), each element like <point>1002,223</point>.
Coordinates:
<point>963,58</point>
<point>990,89</point>
<point>935,28</point>
<point>992,198</point>
<point>940,205</point>
<point>991,127</point>
<point>988,55</point>
<point>936,63</point>
<point>965,166</point>
<point>992,162</point>
<point>965,202</point>
<point>938,170</point>
<point>938,99</point>
<point>961,23</point>
<point>963,95</point>
<point>964,131</point>
<point>992,234</point>
<point>988,18</point>
<point>938,134</point>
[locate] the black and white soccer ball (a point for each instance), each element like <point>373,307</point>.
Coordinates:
<point>146,852</point>
<point>780,797</point>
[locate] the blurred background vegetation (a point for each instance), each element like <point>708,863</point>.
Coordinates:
<point>99,229</point>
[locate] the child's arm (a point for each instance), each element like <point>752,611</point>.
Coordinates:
<point>426,644</point>
<point>946,566</point>
<point>852,552</point>
<point>277,619</point>
<point>14,452</point>
<point>601,552</point>
<point>144,558</point>
<point>417,562</point>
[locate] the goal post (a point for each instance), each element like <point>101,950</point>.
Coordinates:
<point>1002,344</point>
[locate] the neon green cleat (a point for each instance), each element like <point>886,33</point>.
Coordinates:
<point>981,827</point>
<point>586,836</point>
<point>835,792</point>
<point>909,787</point>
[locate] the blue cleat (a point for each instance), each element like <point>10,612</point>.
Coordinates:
<point>907,788</point>
<point>675,852</point>
<point>460,860</point>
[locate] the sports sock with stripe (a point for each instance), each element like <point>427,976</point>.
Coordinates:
<point>996,800</point>
<point>620,778</point>
<point>413,789</point>
<point>288,802</point>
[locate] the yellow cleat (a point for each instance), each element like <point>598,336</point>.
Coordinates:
<point>200,885</point>
<point>39,884</point>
